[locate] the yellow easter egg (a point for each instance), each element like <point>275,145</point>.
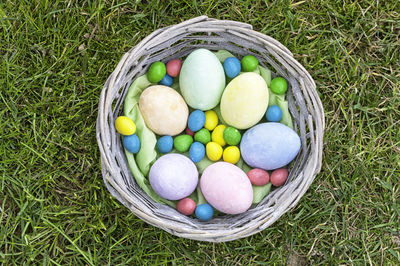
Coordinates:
<point>213,151</point>
<point>125,126</point>
<point>218,135</point>
<point>211,120</point>
<point>231,154</point>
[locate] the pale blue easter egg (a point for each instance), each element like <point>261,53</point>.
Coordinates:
<point>269,145</point>
<point>202,80</point>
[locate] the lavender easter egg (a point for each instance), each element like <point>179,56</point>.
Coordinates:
<point>202,80</point>
<point>227,188</point>
<point>173,176</point>
<point>269,145</point>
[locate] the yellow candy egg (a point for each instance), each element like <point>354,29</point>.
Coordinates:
<point>125,126</point>
<point>213,151</point>
<point>211,120</point>
<point>231,154</point>
<point>218,135</point>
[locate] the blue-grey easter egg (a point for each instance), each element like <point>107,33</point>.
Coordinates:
<point>269,145</point>
<point>202,80</point>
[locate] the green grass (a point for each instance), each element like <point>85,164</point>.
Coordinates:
<point>54,59</point>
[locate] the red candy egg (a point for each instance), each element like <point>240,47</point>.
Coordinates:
<point>186,206</point>
<point>279,176</point>
<point>174,67</point>
<point>189,132</point>
<point>258,177</point>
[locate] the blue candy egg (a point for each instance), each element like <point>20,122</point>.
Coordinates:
<point>167,80</point>
<point>204,212</point>
<point>269,145</point>
<point>274,113</point>
<point>197,152</point>
<point>164,144</point>
<point>131,143</point>
<point>232,67</point>
<point>196,120</point>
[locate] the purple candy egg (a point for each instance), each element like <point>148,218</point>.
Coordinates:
<point>173,176</point>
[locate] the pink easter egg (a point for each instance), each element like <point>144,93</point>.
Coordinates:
<point>174,67</point>
<point>186,206</point>
<point>279,176</point>
<point>258,177</point>
<point>227,188</point>
<point>189,132</point>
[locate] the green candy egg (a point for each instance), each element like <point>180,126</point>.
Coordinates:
<point>156,72</point>
<point>232,136</point>
<point>203,136</point>
<point>249,63</point>
<point>182,143</point>
<point>278,85</point>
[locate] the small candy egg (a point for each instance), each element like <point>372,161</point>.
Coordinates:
<point>173,176</point>
<point>186,206</point>
<point>249,63</point>
<point>231,154</point>
<point>125,126</point>
<point>196,120</point>
<point>232,136</point>
<point>131,143</point>
<point>204,212</point>
<point>274,113</point>
<point>174,67</point>
<point>183,142</point>
<point>189,132</point>
<point>211,120</point>
<point>197,152</point>
<point>164,144</point>
<point>218,135</point>
<point>279,176</point>
<point>258,177</point>
<point>203,136</point>
<point>167,80</point>
<point>214,151</point>
<point>156,72</point>
<point>232,67</point>
<point>278,85</point>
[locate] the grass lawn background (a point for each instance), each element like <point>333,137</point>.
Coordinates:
<point>54,59</point>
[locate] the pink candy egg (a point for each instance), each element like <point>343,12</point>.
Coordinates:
<point>279,176</point>
<point>186,206</point>
<point>174,67</point>
<point>189,132</point>
<point>258,177</point>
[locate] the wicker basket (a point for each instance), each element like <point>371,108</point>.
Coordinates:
<point>178,41</point>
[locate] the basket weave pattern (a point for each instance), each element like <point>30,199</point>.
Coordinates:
<point>178,41</point>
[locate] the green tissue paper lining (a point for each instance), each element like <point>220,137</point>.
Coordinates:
<point>141,163</point>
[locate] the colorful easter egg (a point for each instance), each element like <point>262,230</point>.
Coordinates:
<point>232,136</point>
<point>232,67</point>
<point>197,152</point>
<point>249,63</point>
<point>196,120</point>
<point>164,110</point>
<point>156,72</point>
<point>279,176</point>
<point>227,188</point>
<point>218,135</point>
<point>204,212</point>
<point>231,154</point>
<point>182,143</point>
<point>131,143</point>
<point>269,145</point>
<point>244,100</point>
<point>173,176</point>
<point>189,132</point>
<point>167,80</point>
<point>202,80</point>
<point>274,113</point>
<point>258,177</point>
<point>203,136</point>
<point>165,144</point>
<point>278,85</point>
<point>213,151</point>
<point>211,120</point>
<point>125,126</point>
<point>174,67</point>
<point>186,206</point>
